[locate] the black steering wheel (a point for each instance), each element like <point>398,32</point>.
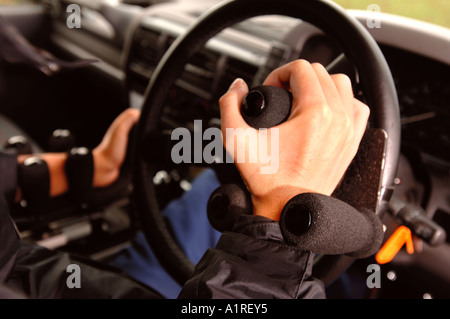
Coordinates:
<point>359,47</point>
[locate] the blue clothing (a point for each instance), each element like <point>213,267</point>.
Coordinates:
<point>188,218</point>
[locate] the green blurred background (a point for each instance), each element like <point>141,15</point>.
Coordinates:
<point>435,11</point>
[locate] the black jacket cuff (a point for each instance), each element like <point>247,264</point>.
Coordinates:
<point>253,261</point>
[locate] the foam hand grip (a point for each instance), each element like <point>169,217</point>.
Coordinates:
<point>61,140</point>
<point>266,106</point>
<point>226,204</point>
<point>328,226</point>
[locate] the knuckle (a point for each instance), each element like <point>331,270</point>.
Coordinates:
<point>362,109</point>
<point>318,66</point>
<point>321,115</point>
<point>223,99</point>
<point>347,123</point>
<point>300,63</point>
<point>343,125</point>
<point>342,79</point>
<point>366,111</point>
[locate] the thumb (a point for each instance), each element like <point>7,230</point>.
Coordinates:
<point>121,126</point>
<point>230,105</point>
<point>115,141</point>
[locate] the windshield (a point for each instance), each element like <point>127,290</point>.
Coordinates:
<point>434,11</point>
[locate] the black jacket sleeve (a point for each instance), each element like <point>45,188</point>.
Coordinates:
<point>30,271</point>
<point>254,262</point>
<point>9,239</point>
<point>8,176</point>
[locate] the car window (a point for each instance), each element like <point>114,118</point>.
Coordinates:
<point>16,2</point>
<point>434,11</point>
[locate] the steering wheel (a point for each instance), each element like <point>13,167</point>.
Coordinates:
<point>359,47</point>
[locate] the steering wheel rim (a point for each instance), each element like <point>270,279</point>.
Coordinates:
<point>375,79</point>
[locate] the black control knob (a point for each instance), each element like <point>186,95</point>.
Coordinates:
<point>226,204</point>
<point>18,145</point>
<point>61,140</point>
<point>266,106</point>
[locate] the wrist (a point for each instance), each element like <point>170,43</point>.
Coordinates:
<point>270,205</point>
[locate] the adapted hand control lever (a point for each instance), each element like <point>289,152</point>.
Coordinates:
<point>337,229</point>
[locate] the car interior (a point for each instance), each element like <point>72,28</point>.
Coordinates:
<point>124,42</point>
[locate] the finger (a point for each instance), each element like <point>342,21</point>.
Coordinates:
<point>361,117</point>
<point>344,87</point>
<point>300,77</point>
<point>328,86</point>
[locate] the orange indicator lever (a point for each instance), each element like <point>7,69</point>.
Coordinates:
<point>392,246</point>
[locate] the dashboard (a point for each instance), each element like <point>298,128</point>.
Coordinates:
<point>130,40</point>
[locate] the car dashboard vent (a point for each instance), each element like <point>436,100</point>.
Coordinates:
<point>233,69</point>
<point>146,51</point>
<point>207,74</point>
<point>201,73</point>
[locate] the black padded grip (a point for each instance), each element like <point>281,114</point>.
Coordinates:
<point>34,180</point>
<point>266,106</point>
<point>79,170</point>
<point>226,204</point>
<point>18,145</point>
<point>328,226</point>
<point>61,140</point>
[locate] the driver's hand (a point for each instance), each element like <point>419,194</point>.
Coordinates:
<point>110,154</point>
<point>316,144</point>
